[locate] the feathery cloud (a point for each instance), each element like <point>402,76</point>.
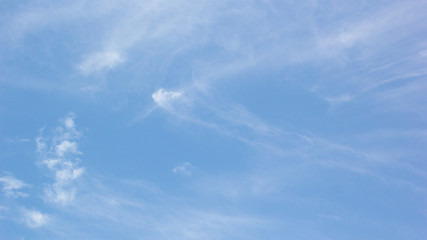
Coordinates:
<point>100,61</point>
<point>11,186</point>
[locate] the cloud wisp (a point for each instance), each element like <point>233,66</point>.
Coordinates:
<point>199,108</point>
<point>100,61</point>
<point>236,122</point>
<point>144,36</point>
<point>34,218</point>
<point>12,186</point>
<point>132,209</point>
<point>186,169</point>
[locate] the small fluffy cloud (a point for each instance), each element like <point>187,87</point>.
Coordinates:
<point>100,61</point>
<point>185,169</point>
<point>11,185</point>
<point>69,123</point>
<point>34,219</point>
<point>59,154</point>
<point>165,98</point>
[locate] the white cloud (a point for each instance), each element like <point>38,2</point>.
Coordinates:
<point>66,147</point>
<point>69,123</point>
<point>185,169</point>
<point>51,163</point>
<point>58,193</point>
<point>231,119</point>
<point>165,98</point>
<point>100,61</point>
<point>369,28</point>
<point>68,174</point>
<point>59,154</point>
<point>34,219</point>
<point>151,214</point>
<point>11,185</point>
<point>41,145</point>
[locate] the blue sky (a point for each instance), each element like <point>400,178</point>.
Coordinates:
<point>213,119</point>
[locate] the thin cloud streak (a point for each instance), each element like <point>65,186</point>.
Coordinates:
<point>144,29</point>
<point>12,186</point>
<point>234,121</point>
<point>100,61</point>
<point>133,209</point>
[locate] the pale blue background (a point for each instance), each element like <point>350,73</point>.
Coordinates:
<point>214,119</point>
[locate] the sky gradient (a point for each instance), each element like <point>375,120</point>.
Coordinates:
<point>213,119</point>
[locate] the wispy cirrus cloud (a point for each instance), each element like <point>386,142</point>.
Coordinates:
<point>353,74</point>
<point>374,57</point>
<point>143,34</point>
<point>100,61</point>
<point>12,186</point>
<point>132,209</point>
<point>353,53</point>
<point>235,121</point>
<point>196,106</point>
